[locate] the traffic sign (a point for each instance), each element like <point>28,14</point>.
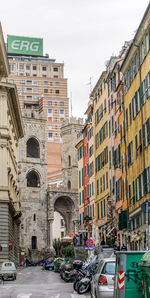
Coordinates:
<point>89,247</point>
<point>10,243</point>
<point>89,242</point>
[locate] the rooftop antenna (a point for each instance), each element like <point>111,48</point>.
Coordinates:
<point>90,84</point>
<point>71,103</point>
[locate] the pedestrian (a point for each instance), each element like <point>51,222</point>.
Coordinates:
<point>27,262</point>
<point>123,247</point>
<point>44,262</point>
<point>74,241</point>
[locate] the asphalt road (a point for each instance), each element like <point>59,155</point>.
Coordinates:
<point>32,282</point>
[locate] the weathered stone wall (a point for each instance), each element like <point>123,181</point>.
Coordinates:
<point>33,199</point>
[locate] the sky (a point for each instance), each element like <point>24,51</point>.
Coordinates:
<point>81,33</point>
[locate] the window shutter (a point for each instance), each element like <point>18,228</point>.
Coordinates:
<point>144,143</point>
<point>148,130</point>
<point>133,108</point>
<point>141,87</point>
<point>140,187</point>
<point>136,103</point>
<point>136,188</point>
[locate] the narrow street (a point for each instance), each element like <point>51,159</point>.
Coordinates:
<point>32,282</point>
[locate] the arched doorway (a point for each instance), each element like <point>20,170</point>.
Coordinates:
<point>34,242</point>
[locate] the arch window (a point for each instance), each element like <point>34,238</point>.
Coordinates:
<point>69,161</point>
<point>69,184</point>
<point>33,179</point>
<point>33,148</point>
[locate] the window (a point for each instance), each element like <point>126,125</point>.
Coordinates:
<point>57,83</point>
<point>36,90</point>
<point>11,67</point>
<point>44,68</point>
<point>69,184</point>
<point>50,135</point>
<point>22,82</point>
<point>49,127</point>
<point>69,161</point>
<point>61,111</point>
<point>27,67</point>
<point>49,103</point>
<point>50,112</point>
<point>45,83</point>
<point>34,67</point>
<point>21,66</point>
<point>106,179</point>
<point>33,149</point>
<point>61,103</point>
<point>33,179</point>
<point>136,146</point>
<point>34,217</point>
<point>55,69</point>
<point>57,91</point>
<point>45,90</point>
<point>35,83</point>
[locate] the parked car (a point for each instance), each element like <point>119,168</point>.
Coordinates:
<point>102,283</point>
<point>8,270</point>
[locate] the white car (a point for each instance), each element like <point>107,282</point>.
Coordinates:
<point>102,283</point>
<point>8,270</point>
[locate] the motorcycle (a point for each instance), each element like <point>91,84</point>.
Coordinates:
<point>84,284</point>
<point>79,275</point>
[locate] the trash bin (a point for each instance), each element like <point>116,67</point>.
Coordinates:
<point>128,283</point>
<point>144,267</point>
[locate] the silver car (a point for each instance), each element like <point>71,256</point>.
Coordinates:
<point>102,283</point>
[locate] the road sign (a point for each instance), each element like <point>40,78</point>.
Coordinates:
<point>89,242</point>
<point>10,243</point>
<point>89,247</point>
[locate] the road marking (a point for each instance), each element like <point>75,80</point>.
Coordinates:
<point>75,295</point>
<point>24,295</point>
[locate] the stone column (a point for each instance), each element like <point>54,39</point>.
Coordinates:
<point>51,232</point>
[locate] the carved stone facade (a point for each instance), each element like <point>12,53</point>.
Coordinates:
<point>33,182</point>
<point>64,198</point>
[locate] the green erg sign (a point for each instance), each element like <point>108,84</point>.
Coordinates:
<point>24,45</point>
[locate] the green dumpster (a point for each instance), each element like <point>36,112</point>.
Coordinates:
<point>144,266</point>
<point>128,282</point>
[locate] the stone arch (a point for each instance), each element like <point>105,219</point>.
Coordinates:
<point>66,207</point>
<point>33,178</point>
<point>33,148</point>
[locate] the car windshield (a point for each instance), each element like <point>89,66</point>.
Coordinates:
<point>109,268</point>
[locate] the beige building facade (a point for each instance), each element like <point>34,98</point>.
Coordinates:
<point>11,130</point>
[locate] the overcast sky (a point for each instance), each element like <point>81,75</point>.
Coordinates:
<point>81,33</point>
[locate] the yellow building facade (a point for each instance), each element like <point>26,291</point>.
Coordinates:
<point>99,95</point>
<point>136,72</point>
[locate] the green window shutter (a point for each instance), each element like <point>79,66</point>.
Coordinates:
<point>142,95</point>
<point>130,113</point>
<point>140,187</point>
<point>136,146</point>
<point>116,191</point>
<point>110,159</point>
<point>119,154</point>
<point>148,130</point>
<point>82,177</point>
<point>133,115</point>
<point>130,194</point>
<point>144,143</point>
<point>98,211</point>
<point>136,103</point>
<point>101,209</point>
<point>106,179</point>
<point>133,192</point>
<point>127,118</point>
<point>97,187</point>
<point>136,188</point>
<point>145,180</point>
<point>104,209</point>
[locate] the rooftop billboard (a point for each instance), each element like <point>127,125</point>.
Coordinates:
<point>24,45</point>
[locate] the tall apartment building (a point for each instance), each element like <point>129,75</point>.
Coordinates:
<point>41,86</point>
<point>136,73</point>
